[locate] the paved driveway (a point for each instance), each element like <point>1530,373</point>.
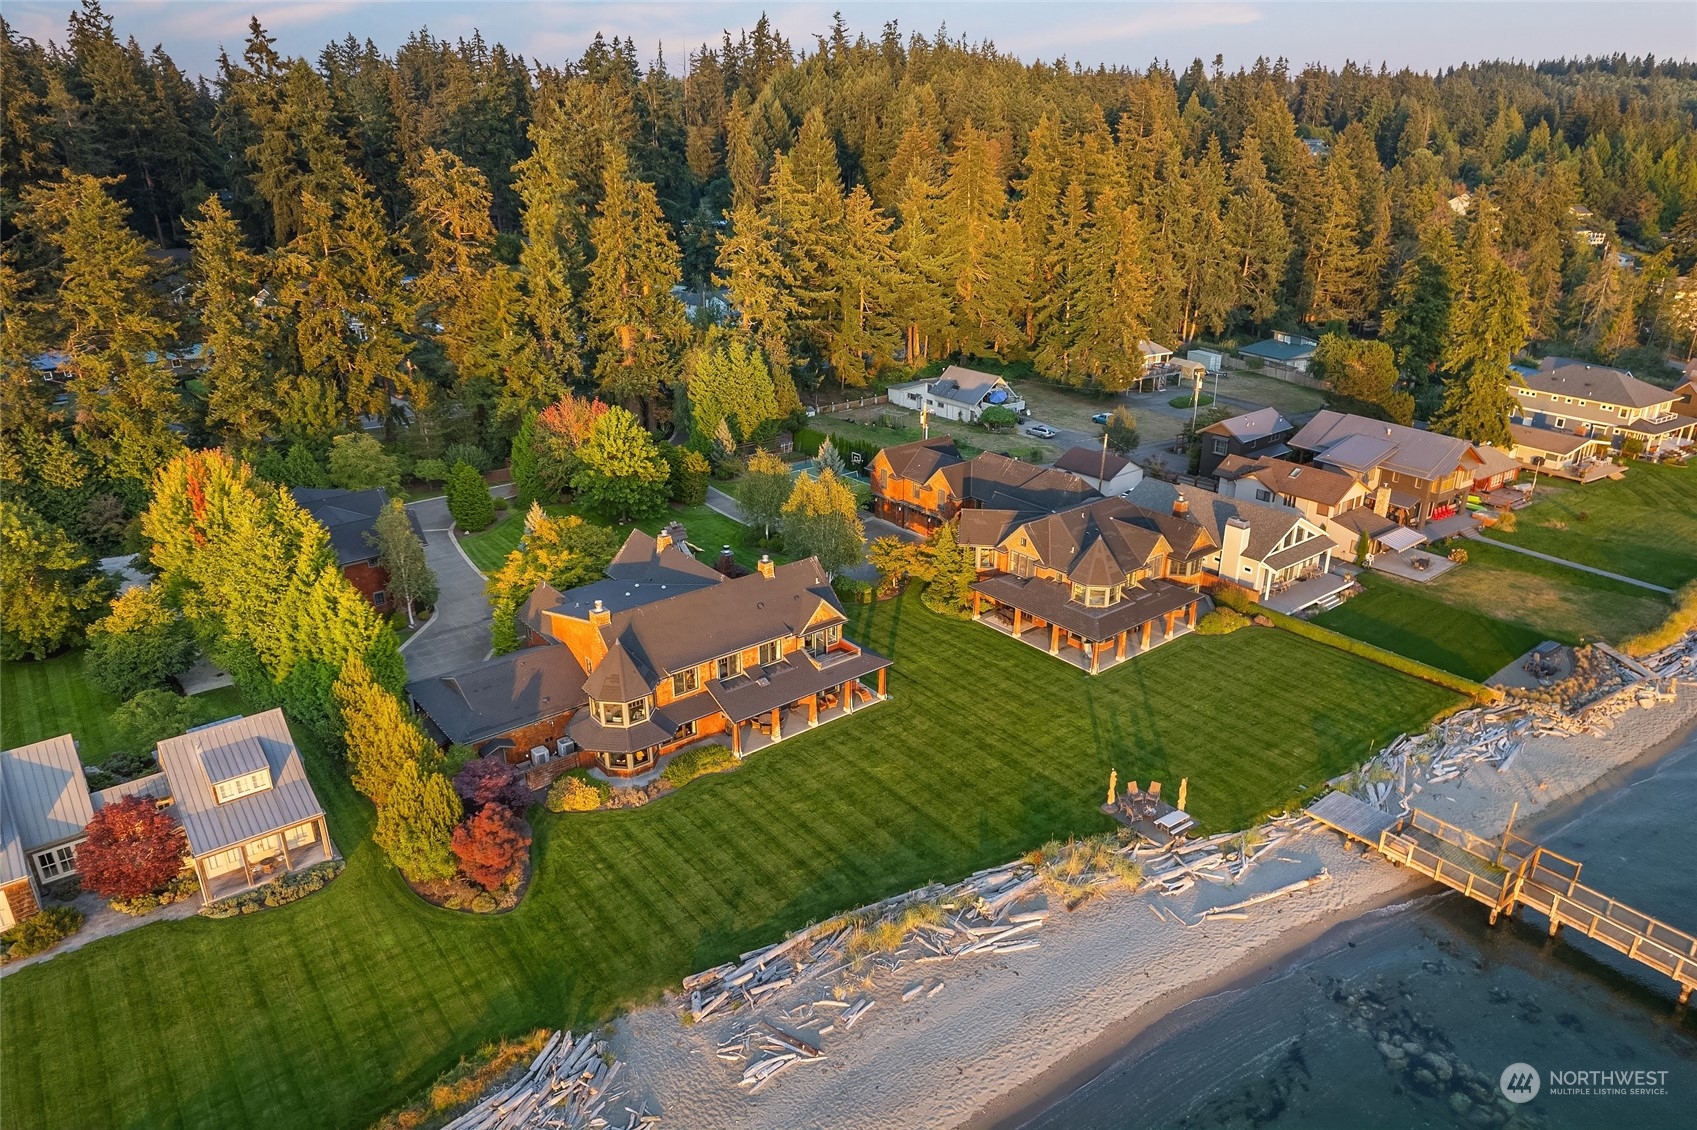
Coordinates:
<point>458,635</point>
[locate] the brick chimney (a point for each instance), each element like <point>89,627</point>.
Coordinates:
<point>1181,506</point>
<point>767,569</point>
<point>662,540</point>
<point>599,616</point>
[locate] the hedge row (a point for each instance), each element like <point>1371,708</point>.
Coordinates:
<point>1479,692</point>
<point>807,441</point>
<point>278,892</point>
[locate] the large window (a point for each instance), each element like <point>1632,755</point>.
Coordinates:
<point>610,713</point>
<point>729,666</point>
<point>637,711</point>
<point>54,862</point>
<point>1023,565</point>
<point>256,782</point>
<point>1096,596</point>
<point>818,643</point>
<point>686,681</point>
<point>984,557</point>
<point>770,652</point>
<point>302,835</point>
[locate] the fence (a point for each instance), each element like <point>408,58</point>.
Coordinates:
<point>863,402</point>
<point>1275,370</point>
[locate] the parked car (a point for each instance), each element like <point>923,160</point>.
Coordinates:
<point>1041,431</point>
<point>1099,418</point>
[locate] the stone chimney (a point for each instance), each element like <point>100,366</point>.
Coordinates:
<point>767,569</point>
<point>599,616</point>
<point>1181,506</point>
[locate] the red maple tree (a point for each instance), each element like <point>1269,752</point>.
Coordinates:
<point>133,849</point>
<point>490,846</point>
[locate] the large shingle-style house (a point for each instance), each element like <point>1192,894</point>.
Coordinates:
<point>958,394</point>
<point>1090,583</point>
<point>923,484</point>
<point>1106,472</point>
<point>238,787</point>
<point>1263,432</point>
<point>1336,502</point>
<point>1415,476</point>
<point>1607,405</point>
<point>662,653</point>
<point>350,516</point>
<point>1261,546</point>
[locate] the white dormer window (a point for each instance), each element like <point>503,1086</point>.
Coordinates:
<point>245,785</point>
<point>770,652</point>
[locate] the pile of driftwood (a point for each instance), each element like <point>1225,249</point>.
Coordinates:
<point>569,1086</point>
<point>1676,661</point>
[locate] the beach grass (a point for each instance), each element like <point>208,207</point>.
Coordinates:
<point>326,1012</point>
<point>1643,525</point>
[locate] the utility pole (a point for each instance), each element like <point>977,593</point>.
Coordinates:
<point>1102,471</point>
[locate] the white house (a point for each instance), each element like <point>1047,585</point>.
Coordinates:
<point>1108,472</point>
<point>958,394</point>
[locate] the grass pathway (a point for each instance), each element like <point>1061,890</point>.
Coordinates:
<point>326,1012</point>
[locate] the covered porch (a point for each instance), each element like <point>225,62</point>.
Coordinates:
<point>253,863</point>
<point>800,696</point>
<point>1085,650</point>
<point>1308,592</point>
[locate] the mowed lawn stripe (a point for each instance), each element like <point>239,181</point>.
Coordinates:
<point>988,749</point>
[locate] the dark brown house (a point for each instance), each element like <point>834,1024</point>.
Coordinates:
<point>350,516</point>
<point>1262,432</point>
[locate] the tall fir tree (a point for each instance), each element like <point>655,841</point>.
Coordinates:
<point>1488,326</point>
<point>1257,235</point>
<point>238,331</point>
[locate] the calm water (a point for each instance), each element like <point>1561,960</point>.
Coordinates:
<point>1304,1049</point>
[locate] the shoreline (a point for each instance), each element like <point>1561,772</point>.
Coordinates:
<point>1013,1034</point>
<point>1086,1063</point>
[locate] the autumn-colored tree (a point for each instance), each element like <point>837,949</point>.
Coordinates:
<point>491,846</point>
<point>134,848</point>
<point>765,489</point>
<point>561,429</point>
<point>565,552</point>
<point>490,780</point>
<point>897,560</point>
<point>821,520</point>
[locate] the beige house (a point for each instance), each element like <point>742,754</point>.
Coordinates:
<point>1415,476</point>
<point>1263,546</point>
<point>1605,405</point>
<point>239,788</point>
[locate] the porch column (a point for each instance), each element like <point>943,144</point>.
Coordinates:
<point>1119,647</point>
<point>1054,639</point>
<point>812,710</point>
<point>1171,616</point>
<point>881,672</point>
<point>1190,615</point>
<point>1095,655</point>
<point>283,840</point>
<point>247,869</point>
<point>736,738</point>
<point>1148,627</point>
<point>848,697</point>
<point>977,605</point>
<point>1016,625</point>
<point>205,884</point>
<point>777,727</point>
<point>324,832</point>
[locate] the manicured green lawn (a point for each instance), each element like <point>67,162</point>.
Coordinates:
<point>41,699</point>
<point>323,1013</point>
<point>1643,526</point>
<point>707,528</point>
<point>1400,617</point>
<point>1565,604</point>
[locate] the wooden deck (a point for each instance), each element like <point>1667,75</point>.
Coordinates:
<point>1511,871</point>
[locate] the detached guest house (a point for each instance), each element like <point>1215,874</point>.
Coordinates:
<point>238,788</point>
<point>663,653</point>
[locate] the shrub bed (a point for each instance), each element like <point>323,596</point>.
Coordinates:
<point>1477,691</point>
<point>577,791</point>
<point>40,932</point>
<point>180,888</point>
<point>1221,622</point>
<point>699,761</point>
<point>278,892</point>
<point>852,591</point>
<point>1235,597</point>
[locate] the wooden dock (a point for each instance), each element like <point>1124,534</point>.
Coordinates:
<point>1510,871</point>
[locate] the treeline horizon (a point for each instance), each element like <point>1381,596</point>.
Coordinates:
<point>451,236</point>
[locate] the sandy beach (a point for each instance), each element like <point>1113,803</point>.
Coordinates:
<point>1008,1032</point>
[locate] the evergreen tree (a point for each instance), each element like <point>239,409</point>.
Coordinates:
<point>552,259</point>
<point>141,643</point>
<point>381,739</point>
<point>765,488</point>
<point>525,463</point>
<point>634,323</point>
<point>415,825</point>
<point>239,337</point>
<point>110,325</point>
<point>951,572</point>
<point>1365,373</point>
<point>469,500</point>
<point>728,381</point>
<point>1417,322</point>
<point>857,331</point>
<point>1332,281</point>
<point>821,520</point>
<point>566,552</point>
<point>400,554</point>
<point>1256,233</point>
<point>296,154</point>
<point>984,249</point>
<point>761,284</point>
<point>48,586</point>
<point>1488,326</point>
<point>621,474</point>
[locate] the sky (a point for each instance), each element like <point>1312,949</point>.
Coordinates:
<point>1423,35</point>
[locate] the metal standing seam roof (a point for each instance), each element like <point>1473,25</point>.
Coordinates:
<point>46,792</point>
<point>213,827</point>
<point>1274,350</point>
<point>235,759</point>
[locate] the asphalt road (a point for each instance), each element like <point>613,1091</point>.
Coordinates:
<point>458,634</point>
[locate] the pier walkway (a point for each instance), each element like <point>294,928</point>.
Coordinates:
<point>1510,871</point>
